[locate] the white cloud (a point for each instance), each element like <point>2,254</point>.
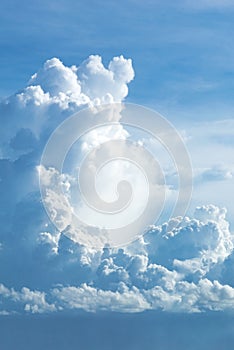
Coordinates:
<point>97,82</point>
<point>54,78</point>
<point>92,299</point>
<point>31,301</point>
<point>170,268</point>
<point>56,91</point>
<point>166,270</point>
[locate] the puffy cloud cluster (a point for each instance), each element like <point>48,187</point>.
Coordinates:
<point>168,270</point>
<point>111,83</point>
<point>173,267</point>
<point>33,301</point>
<point>55,92</point>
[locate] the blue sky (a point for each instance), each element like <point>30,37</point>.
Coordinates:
<point>170,288</point>
<point>182,53</point>
<point>147,330</point>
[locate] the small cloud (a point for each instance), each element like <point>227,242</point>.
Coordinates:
<point>216,173</point>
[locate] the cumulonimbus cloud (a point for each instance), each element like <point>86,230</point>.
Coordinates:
<point>173,267</point>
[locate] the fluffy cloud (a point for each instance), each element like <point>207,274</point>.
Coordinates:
<point>33,301</point>
<point>166,270</point>
<point>56,92</point>
<point>97,81</point>
<point>173,267</point>
<point>56,79</point>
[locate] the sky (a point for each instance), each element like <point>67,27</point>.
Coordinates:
<point>174,285</point>
<point>183,53</point>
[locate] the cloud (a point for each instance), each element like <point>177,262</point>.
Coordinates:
<point>91,299</point>
<point>56,79</point>
<point>33,301</point>
<point>216,173</point>
<point>166,270</point>
<point>97,81</point>
<point>211,149</point>
<point>173,267</point>
<point>55,92</point>
<point>29,117</point>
